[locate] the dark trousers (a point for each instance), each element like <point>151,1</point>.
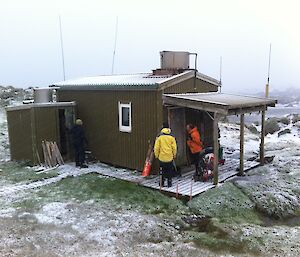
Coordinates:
<point>79,155</point>
<point>197,160</point>
<point>166,172</point>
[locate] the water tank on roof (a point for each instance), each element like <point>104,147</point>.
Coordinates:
<point>42,95</point>
<point>174,60</point>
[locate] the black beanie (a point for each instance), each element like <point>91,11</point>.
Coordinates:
<point>165,124</point>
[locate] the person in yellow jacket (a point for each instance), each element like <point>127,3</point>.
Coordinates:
<point>165,150</point>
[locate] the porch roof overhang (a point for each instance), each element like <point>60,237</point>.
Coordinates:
<point>224,104</point>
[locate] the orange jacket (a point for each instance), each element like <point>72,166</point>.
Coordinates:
<point>194,141</point>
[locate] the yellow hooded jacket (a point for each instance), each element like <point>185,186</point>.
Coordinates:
<point>165,148</point>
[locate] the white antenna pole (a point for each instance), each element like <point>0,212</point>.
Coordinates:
<point>62,49</point>
<point>269,65</point>
<point>220,74</point>
<point>114,53</point>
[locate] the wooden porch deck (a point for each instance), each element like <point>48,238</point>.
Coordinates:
<point>187,187</point>
<point>184,183</point>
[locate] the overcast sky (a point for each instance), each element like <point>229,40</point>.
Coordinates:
<point>239,31</point>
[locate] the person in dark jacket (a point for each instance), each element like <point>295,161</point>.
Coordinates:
<point>79,141</point>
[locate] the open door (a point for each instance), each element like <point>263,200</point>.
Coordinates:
<point>176,118</point>
<point>66,121</point>
<point>62,132</point>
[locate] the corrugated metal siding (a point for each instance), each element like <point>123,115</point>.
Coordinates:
<point>29,127</point>
<point>188,86</point>
<point>99,112</point>
<point>20,136</point>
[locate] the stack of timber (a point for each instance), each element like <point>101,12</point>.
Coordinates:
<point>52,155</point>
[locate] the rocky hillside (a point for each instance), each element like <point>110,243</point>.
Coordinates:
<point>9,95</point>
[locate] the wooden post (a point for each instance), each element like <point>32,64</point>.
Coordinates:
<point>191,190</point>
<point>216,148</point>
<point>242,128</point>
<point>262,138</point>
<point>160,181</point>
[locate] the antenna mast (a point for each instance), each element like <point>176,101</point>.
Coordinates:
<point>220,74</point>
<point>62,49</point>
<point>267,85</point>
<point>114,53</point>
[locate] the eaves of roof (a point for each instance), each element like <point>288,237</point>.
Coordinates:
<point>109,87</point>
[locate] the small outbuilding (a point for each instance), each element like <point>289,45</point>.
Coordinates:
<point>30,124</point>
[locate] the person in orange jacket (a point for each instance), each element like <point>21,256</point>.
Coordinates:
<point>196,146</point>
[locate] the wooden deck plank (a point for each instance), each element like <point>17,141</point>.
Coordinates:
<point>226,171</point>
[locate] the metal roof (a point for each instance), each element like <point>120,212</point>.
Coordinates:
<point>227,104</point>
<point>39,105</point>
<point>144,79</point>
<point>140,80</point>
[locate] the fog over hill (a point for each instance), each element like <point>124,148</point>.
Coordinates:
<point>289,95</point>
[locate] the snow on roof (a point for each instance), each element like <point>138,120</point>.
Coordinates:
<point>217,101</point>
<point>224,99</point>
<point>130,80</point>
<point>141,79</point>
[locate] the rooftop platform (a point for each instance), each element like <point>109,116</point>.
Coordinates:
<point>186,186</point>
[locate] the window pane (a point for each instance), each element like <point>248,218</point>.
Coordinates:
<point>125,116</point>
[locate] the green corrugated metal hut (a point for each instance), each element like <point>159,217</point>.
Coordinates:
<point>30,124</point>
<point>122,113</point>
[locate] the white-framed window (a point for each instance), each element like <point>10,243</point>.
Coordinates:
<point>125,117</point>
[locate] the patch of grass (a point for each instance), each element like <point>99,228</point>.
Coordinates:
<point>16,172</point>
<point>284,120</point>
<point>116,193</point>
<point>223,240</point>
<point>296,118</point>
<point>227,203</point>
<point>253,129</point>
<point>271,126</point>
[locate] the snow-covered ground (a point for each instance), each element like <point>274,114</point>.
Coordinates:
<point>77,213</point>
<point>4,148</point>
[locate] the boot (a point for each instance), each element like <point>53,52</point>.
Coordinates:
<point>162,183</point>
<point>161,180</point>
<point>196,177</point>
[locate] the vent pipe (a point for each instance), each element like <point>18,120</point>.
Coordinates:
<point>44,95</point>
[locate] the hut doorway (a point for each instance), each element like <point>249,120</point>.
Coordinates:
<point>66,121</point>
<point>176,119</point>
<point>62,132</point>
